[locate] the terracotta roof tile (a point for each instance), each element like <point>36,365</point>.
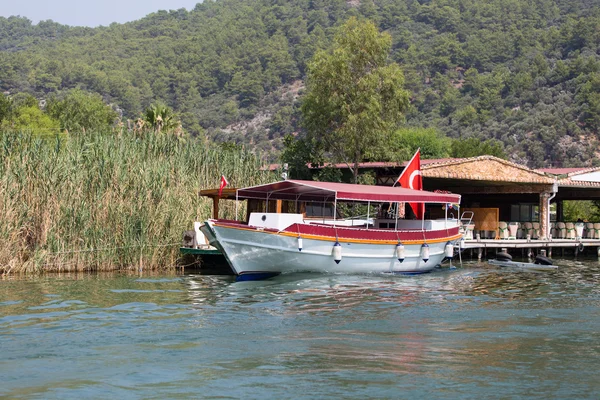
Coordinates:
<point>484,168</point>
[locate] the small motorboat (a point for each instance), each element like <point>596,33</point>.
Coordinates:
<point>541,263</point>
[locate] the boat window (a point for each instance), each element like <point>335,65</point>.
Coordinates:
<point>319,210</point>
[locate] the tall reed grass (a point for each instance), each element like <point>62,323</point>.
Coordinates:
<point>106,202</point>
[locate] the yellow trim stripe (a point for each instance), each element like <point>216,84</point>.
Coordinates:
<point>343,240</point>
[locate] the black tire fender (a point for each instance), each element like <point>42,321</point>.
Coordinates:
<point>502,256</point>
<point>541,260</point>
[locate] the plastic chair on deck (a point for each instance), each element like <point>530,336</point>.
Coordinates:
<point>561,230</point>
<point>579,229</point>
<point>552,230</point>
<point>468,235</point>
<point>570,227</point>
<point>521,231</point>
<point>589,230</point>
<point>503,230</point>
<point>528,229</point>
<point>513,227</point>
<point>596,230</point>
<point>536,230</point>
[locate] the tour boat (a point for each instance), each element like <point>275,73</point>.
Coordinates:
<point>269,243</point>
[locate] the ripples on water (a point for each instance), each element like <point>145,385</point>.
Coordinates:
<point>474,332</point>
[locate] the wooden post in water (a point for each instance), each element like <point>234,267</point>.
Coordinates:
<point>216,207</point>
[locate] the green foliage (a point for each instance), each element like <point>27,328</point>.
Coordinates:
<point>367,178</point>
<point>473,147</point>
<point>406,141</point>
<point>329,174</point>
<point>299,154</point>
<point>33,120</point>
<point>5,107</point>
<point>80,111</point>
<point>354,97</point>
<point>589,98</point>
<point>160,118</point>
<point>586,210</point>
<point>520,72</point>
<point>466,116</point>
<point>23,100</point>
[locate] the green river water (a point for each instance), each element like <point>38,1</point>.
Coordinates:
<point>473,332</point>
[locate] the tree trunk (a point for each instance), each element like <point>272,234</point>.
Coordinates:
<point>355,170</point>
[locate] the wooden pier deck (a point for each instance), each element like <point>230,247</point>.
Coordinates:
<point>528,244</point>
<point>527,247</point>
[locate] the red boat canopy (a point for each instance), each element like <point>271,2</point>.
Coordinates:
<point>330,191</point>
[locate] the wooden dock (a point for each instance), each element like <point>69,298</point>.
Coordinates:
<point>528,244</point>
<point>546,245</point>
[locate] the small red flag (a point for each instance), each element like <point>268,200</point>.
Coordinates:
<point>411,178</point>
<point>224,183</point>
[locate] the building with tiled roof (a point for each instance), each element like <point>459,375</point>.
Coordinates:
<point>517,192</point>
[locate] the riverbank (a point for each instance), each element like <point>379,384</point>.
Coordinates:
<point>106,202</point>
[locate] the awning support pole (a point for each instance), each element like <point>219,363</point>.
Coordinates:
<point>334,210</point>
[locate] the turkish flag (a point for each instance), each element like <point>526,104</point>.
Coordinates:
<point>223,184</point>
<point>411,178</point>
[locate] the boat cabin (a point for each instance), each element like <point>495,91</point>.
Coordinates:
<point>321,206</point>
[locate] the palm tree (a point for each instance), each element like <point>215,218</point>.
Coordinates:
<point>161,118</point>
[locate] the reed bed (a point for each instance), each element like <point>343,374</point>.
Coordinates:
<point>106,202</point>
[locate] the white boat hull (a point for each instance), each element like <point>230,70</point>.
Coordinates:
<point>252,251</point>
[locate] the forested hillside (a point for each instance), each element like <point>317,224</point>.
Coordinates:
<point>524,72</point>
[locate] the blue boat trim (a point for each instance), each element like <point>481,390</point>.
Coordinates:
<point>411,272</point>
<point>255,276</point>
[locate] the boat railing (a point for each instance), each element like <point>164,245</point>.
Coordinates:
<point>466,218</point>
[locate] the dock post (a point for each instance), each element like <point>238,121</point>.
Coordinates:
<point>550,252</point>
<point>479,253</point>
<point>543,252</point>
<point>598,252</point>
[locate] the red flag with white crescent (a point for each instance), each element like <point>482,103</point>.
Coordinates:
<point>224,183</point>
<point>411,178</point>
